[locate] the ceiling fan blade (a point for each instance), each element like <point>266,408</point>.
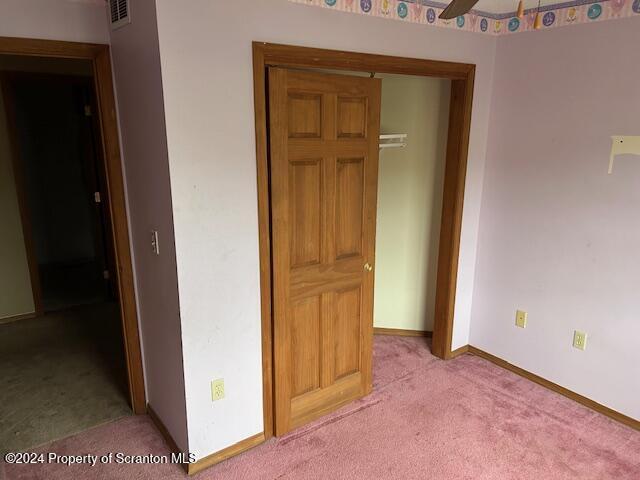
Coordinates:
<point>457,8</point>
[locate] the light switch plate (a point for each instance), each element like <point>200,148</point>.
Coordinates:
<point>521,318</point>
<point>155,245</point>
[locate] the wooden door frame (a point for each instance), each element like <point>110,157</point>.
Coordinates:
<point>462,80</point>
<point>100,57</point>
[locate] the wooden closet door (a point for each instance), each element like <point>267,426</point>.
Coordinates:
<point>324,134</point>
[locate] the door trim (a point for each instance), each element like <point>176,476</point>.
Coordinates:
<point>462,77</point>
<point>100,57</point>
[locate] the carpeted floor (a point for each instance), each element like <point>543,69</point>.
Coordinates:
<point>426,419</point>
<point>60,374</point>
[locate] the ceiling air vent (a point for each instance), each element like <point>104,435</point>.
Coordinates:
<point>119,12</point>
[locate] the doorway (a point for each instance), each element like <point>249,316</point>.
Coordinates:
<point>268,56</point>
<point>69,327</point>
<point>60,184</point>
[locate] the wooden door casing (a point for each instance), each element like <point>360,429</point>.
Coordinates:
<point>462,77</point>
<point>324,133</point>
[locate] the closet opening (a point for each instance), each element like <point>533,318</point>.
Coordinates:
<point>360,177</point>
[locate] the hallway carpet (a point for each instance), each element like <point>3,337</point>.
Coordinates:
<point>60,374</point>
<point>426,419</point>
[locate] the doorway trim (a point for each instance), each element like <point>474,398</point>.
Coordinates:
<point>100,57</point>
<point>462,77</point>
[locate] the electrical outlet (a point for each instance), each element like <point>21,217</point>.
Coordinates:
<point>521,318</point>
<point>217,389</point>
<point>580,340</point>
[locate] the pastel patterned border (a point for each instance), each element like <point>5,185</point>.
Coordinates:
<point>426,12</point>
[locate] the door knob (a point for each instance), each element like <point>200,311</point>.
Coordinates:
<point>368,267</point>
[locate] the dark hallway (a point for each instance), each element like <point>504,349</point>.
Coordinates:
<point>62,358</point>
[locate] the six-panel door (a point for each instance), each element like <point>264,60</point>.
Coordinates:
<point>324,133</point>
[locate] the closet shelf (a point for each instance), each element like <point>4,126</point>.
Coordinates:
<point>393,140</point>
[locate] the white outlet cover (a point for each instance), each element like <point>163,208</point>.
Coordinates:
<point>217,389</point>
<point>580,340</point>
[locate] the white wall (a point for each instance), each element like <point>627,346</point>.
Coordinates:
<point>205,51</point>
<point>410,185</point>
<point>559,237</point>
<point>71,20</point>
<point>136,65</point>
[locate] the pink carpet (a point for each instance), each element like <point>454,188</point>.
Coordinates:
<point>426,419</point>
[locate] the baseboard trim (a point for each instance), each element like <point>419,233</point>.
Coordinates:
<point>593,405</point>
<point>223,454</point>
<point>402,333</point>
<point>173,446</point>
<point>209,460</point>
<point>458,351</point>
<point>20,316</point>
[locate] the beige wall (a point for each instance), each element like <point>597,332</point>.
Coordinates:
<point>15,284</point>
<point>410,201</point>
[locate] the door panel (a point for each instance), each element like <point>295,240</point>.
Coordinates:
<point>347,332</point>
<point>305,115</point>
<point>305,345</point>
<point>324,165</point>
<point>305,183</point>
<point>352,117</point>
<point>349,203</point>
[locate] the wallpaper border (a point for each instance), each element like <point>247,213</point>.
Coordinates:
<point>426,12</point>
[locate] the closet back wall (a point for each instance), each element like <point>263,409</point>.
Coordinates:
<point>410,185</point>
